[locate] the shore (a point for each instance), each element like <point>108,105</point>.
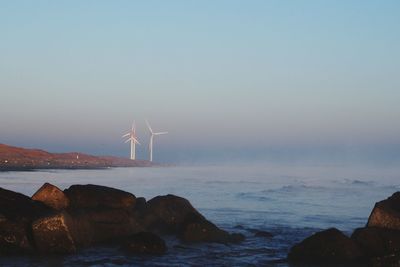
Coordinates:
<point>22,159</point>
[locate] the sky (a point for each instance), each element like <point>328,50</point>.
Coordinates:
<point>224,78</point>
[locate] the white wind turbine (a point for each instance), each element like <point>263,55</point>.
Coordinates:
<point>152,134</point>
<point>133,139</point>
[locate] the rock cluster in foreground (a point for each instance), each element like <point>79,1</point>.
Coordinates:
<point>377,244</point>
<point>56,221</point>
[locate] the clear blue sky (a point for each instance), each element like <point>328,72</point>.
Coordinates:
<point>216,74</point>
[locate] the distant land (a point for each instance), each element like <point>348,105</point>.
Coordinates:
<point>22,159</point>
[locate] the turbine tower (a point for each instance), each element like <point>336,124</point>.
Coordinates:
<point>152,134</point>
<point>133,139</point>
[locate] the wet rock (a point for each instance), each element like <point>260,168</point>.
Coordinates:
<point>145,243</point>
<point>377,241</point>
<point>386,213</point>
<point>328,246</point>
<point>198,229</point>
<point>168,213</point>
<point>51,196</point>
<point>94,196</point>
<point>54,234</point>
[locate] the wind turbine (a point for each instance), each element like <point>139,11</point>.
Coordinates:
<point>133,139</point>
<point>152,134</point>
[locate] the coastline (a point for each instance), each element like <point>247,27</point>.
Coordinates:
<point>21,159</point>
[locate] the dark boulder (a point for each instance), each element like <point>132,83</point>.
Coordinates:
<point>96,196</point>
<point>175,215</point>
<point>51,196</point>
<point>54,234</point>
<point>377,241</point>
<point>328,246</point>
<point>386,213</point>
<point>168,213</point>
<point>145,243</point>
<point>17,212</point>
<point>16,206</point>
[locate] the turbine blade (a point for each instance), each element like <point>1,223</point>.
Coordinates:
<point>136,141</point>
<point>128,140</point>
<point>125,135</point>
<point>160,133</point>
<point>149,127</point>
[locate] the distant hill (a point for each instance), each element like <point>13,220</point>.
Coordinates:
<point>16,158</point>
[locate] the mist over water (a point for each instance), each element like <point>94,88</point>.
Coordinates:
<point>289,199</point>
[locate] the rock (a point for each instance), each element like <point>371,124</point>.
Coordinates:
<point>197,229</point>
<point>377,241</point>
<point>328,246</point>
<point>17,211</point>
<point>141,204</point>
<point>392,260</point>
<point>168,213</point>
<point>145,243</point>
<point>104,225</point>
<point>51,196</point>
<point>173,214</point>
<point>94,196</point>
<point>54,234</point>
<point>16,206</point>
<point>14,237</point>
<point>386,213</point>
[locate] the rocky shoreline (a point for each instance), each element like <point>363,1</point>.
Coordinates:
<point>53,221</point>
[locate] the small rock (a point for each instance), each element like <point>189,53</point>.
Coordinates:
<point>96,196</point>
<point>328,246</point>
<point>54,234</point>
<point>51,196</point>
<point>145,243</point>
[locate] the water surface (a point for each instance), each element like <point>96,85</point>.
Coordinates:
<point>290,201</point>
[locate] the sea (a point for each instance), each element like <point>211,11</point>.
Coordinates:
<point>291,201</point>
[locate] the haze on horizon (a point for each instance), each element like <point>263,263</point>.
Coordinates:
<point>224,78</point>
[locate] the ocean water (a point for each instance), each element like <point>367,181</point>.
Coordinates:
<point>289,200</point>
